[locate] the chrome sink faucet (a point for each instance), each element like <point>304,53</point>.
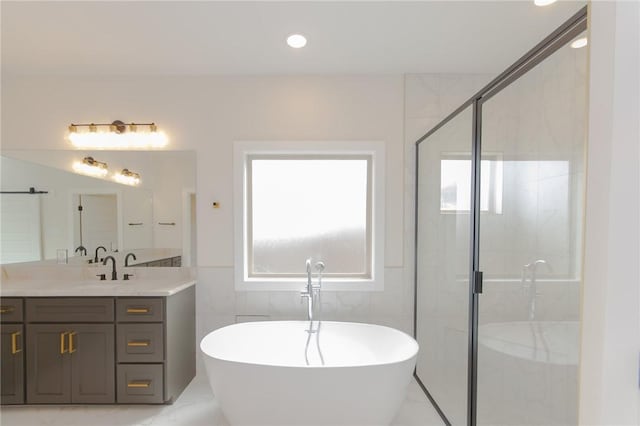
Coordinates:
<point>532,286</point>
<point>312,290</point>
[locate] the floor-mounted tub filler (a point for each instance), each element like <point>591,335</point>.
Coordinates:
<point>309,372</point>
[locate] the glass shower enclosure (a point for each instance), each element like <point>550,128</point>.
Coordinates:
<point>499,216</point>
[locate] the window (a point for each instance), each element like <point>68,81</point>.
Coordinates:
<point>321,202</point>
<point>455,183</point>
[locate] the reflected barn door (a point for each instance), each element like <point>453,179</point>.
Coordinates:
<point>20,239</point>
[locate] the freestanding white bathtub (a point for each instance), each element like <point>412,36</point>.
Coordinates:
<point>277,373</point>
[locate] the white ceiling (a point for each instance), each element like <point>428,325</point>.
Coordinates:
<point>181,37</point>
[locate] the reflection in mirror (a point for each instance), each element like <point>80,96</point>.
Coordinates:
<point>154,219</point>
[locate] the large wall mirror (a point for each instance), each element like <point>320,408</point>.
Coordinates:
<point>70,210</point>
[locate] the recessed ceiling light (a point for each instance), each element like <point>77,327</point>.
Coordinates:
<point>296,41</point>
<point>544,2</point>
<point>579,42</point>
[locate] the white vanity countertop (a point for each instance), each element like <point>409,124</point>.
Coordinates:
<point>90,288</point>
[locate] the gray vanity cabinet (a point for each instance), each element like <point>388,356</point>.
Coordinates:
<point>12,363</point>
<point>11,346</point>
<point>97,350</point>
<point>155,347</point>
<point>69,362</point>
<point>48,364</point>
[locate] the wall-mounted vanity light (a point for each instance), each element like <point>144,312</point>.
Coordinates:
<point>90,166</point>
<point>117,135</point>
<point>579,43</point>
<point>127,177</point>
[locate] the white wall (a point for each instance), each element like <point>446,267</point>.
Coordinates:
<point>611,298</point>
<point>207,114</point>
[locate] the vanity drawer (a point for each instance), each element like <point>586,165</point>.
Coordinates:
<point>140,384</point>
<point>140,342</point>
<point>77,309</point>
<point>139,310</point>
<point>11,310</point>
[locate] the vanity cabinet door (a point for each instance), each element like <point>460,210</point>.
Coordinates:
<point>12,372</point>
<point>48,364</point>
<point>70,363</point>
<point>92,352</point>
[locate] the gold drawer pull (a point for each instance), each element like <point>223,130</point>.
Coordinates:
<point>138,310</point>
<point>63,350</point>
<point>14,343</point>
<point>71,349</point>
<point>7,309</point>
<point>138,343</point>
<point>139,384</point>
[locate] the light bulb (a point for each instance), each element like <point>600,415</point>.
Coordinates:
<point>579,42</point>
<point>543,2</point>
<point>296,41</point>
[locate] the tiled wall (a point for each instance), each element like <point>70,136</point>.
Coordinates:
<point>428,99</point>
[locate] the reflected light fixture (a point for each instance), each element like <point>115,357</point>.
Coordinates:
<point>90,166</point>
<point>297,41</point>
<point>117,135</point>
<point>127,177</point>
<point>579,42</point>
<point>543,2</point>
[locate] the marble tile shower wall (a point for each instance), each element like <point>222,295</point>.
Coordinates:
<point>428,99</point>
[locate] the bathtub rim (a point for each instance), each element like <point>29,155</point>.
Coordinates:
<point>400,360</point>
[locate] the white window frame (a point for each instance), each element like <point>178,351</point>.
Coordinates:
<point>244,150</point>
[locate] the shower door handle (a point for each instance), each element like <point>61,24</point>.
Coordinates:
<point>477,282</point>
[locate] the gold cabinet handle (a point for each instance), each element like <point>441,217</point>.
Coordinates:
<point>7,309</point>
<point>14,343</point>
<point>63,350</point>
<point>138,310</point>
<point>71,348</point>
<point>139,384</point>
<point>138,343</point>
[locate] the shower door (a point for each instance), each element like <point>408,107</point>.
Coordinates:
<point>499,218</point>
<point>530,244</point>
<point>442,263</point>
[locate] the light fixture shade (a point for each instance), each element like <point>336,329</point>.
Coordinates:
<point>91,167</point>
<point>543,3</point>
<point>117,135</point>
<point>297,41</point>
<point>127,177</point>
<point>579,43</point>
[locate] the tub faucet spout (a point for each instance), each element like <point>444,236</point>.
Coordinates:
<point>312,290</point>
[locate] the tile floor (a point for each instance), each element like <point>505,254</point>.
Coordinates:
<point>195,407</point>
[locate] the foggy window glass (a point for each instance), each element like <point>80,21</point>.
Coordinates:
<point>455,185</point>
<point>309,207</point>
